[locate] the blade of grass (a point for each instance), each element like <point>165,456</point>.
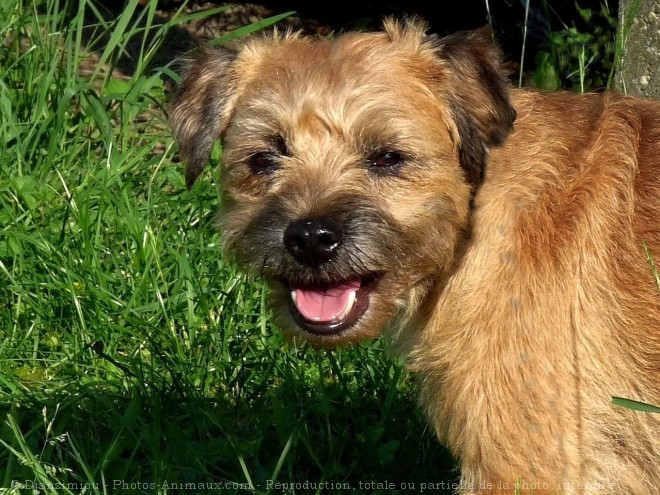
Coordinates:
<point>244,31</point>
<point>118,33</point>
<point>635,405</point>
<point>651,261</point>
<point>283,455</point>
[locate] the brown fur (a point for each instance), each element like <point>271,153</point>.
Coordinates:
<point>511,264</point>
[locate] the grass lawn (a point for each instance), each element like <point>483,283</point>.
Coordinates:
<point>133,356</point>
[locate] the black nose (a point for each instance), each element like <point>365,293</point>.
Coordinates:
<point>313,241</point>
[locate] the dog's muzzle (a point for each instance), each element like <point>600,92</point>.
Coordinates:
<point>329,307</point>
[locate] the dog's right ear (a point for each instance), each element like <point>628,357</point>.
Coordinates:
<point>202,106</point>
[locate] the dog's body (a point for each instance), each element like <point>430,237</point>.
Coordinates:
<point>552,309</point>
<point>378,179</point>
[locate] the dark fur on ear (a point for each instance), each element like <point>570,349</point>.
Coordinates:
<point>472,152</point>
<point>478,97</point>
<point>201,107</point>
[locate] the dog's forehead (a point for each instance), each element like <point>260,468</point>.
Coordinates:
<point>352,78</point>
<point>299,66</point>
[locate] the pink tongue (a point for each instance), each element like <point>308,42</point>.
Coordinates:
<point>324,304</point>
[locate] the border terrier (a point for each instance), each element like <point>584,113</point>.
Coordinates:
<point>501,237</point>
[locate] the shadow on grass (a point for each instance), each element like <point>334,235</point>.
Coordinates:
<point>147,431</point>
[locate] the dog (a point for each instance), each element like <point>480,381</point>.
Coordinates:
<point>393,182</point>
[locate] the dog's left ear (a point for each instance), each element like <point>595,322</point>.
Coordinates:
<point>477,93</point>
<point>202,106</point>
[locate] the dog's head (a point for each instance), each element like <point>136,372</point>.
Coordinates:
<point>348,165</point>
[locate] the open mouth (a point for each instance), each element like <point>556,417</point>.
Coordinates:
<point>328,309</point>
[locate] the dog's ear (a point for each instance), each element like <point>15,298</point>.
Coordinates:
<point>202,106</point>
<point>477,93</point>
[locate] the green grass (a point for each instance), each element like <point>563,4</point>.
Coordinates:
<point>578,58</point>
<point>132,355</point>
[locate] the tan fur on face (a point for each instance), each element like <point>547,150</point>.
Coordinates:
<point>511,264</point>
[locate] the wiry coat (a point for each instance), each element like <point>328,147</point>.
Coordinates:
<point>553,309</point>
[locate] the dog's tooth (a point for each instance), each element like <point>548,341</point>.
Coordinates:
<point>352,297</point>
<point>349,306</point>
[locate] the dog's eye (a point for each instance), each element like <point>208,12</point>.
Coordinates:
<point>385,161</point>
<point>263,162</point>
